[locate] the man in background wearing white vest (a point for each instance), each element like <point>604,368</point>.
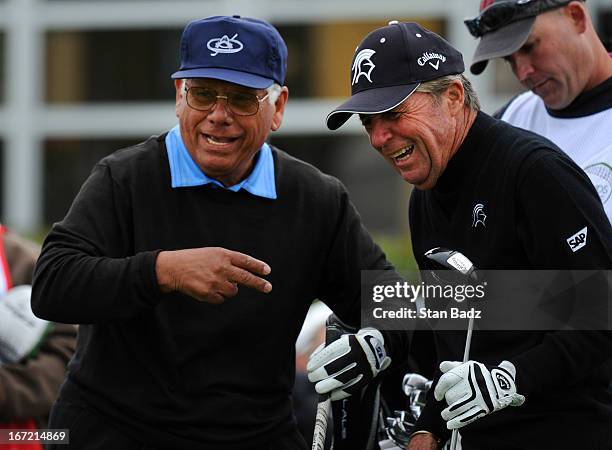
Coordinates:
<point>554,51</point>
<point>33,352</point>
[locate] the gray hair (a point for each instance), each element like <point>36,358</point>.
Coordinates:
<point>273,90</point>
<point>438,86</point>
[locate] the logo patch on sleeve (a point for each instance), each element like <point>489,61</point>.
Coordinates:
<point>578,240</point>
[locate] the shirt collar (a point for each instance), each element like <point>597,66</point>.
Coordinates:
<point>184,172</point>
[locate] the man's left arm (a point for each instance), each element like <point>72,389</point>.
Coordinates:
<point>563,358</point>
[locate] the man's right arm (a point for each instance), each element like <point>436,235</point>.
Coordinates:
<point>84,273</point>
<point>88,271</point>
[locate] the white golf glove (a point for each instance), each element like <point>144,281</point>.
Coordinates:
<point>473,390</point>
<point>348,364</point>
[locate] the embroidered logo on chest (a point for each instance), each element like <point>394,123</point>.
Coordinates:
<point>478,216</point>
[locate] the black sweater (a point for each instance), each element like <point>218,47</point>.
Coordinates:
<point>172,371</point>
<point>534,198</point>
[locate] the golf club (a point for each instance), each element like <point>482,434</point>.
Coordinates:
<point>460,269</point>
<point>334,329</point>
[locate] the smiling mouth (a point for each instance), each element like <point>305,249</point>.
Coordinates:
<point>219,140</point>
<point>540,84</point>
<point>402,154</point>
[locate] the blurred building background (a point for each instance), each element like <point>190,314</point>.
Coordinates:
<point>82,78</point>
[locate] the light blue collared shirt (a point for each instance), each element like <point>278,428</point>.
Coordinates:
<point>185,172</point>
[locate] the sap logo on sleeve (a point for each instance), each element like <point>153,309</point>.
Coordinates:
<point>578,240</point>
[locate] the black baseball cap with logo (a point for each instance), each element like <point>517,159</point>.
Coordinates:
<point>390,64</point>
<point>503,26</point>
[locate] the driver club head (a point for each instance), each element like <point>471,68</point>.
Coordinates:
<point>450,266</point>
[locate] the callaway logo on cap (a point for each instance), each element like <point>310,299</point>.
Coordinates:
<point>389,65</point>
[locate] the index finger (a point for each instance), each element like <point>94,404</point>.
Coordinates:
<point>246,278</point>
<point>249,263</point>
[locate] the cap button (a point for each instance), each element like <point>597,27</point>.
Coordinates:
<point>393,22</point>
<point>236,16</point>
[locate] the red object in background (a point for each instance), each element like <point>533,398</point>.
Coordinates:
<point>29,425</point>
<point>485,4</point>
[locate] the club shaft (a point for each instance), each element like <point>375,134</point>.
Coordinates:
<point>468,340</point>
<point>466,358</point>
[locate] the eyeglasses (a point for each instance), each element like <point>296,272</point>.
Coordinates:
<point>240,103</point>
<point>500,14</point>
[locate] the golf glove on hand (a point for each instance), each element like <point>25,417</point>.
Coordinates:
<point>473,390</point>
<point>348,364</point>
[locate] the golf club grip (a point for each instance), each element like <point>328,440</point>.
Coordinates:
<point>321,421</point>
<point>334,329</point>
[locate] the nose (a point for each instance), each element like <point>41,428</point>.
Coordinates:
<point>379,133</point>
<point>220,112</point>
<point>522,67</point>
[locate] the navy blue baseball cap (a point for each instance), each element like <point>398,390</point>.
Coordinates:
<point>390,64</point>
<point>241,50</point>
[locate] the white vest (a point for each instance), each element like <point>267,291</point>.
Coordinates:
<point>587,140</point>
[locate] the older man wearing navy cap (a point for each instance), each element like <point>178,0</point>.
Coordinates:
<point>507,199</point>
<point>168,256</point>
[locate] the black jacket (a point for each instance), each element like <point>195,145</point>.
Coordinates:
<point>534,198</point>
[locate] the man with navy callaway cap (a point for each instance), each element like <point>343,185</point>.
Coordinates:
<point>169,254</point>
<point>507,199</point>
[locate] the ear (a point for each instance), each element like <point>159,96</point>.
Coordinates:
<point>178,86</point>
<point>577,14</point>
<point>454,96</point>
<point>279,109</point>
